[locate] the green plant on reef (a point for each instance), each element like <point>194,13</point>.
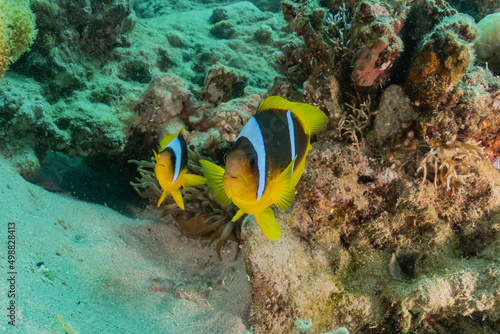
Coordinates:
<point>203,216</point>
<point>17,31</point>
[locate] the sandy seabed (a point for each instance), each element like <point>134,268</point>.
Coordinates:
<point>85,268</point>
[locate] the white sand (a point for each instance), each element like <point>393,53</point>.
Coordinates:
<point>107,273</point>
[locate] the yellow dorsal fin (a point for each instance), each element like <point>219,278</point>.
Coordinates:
<point>311,118</point>
<point>282,189</point>
<point>191,180</point>
<point>214,174</point>
<point>268,224</point>
<point>168,138</point>
<point>156,155</point>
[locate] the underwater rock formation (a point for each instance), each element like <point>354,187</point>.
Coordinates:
<point>470,114</point>
<point>444,55</point>
<point>375,42</point>
<point>223,84</point>
<point>394,112</point>
<point>397,225</point>
<point>365,251</point>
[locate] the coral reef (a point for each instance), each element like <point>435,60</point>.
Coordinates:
<point>469,114</point>
<point>394,112</point>
<point>375,42</point>
<point>100,83</point>
<point>17,31</point>
<point>396,218</point>
<point>376,254</point>
<point>445,54</point>
<point>488,43</point>
<point>396,223</point>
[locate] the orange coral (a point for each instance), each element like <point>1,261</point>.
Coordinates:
<point>425,65</point>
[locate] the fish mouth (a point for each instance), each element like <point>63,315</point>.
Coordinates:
<point>233,176</point>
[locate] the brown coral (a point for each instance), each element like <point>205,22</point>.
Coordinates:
<point>445,54</point>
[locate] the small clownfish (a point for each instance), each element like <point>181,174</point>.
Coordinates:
<point>171,168</point>
<point>266,161</point>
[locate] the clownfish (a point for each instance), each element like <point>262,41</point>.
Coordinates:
<point>171,168</point>
<point>266,161</point>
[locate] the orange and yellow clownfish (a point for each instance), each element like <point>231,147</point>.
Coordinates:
<point>171,168</point>
<point>266,161</point>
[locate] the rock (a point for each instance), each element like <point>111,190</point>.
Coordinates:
<point>223,84</point>
<point>444,55</point>
<point>223,29</point>
<point>375,41</point>
<point>219,14</point>
<point>263,35</point>
<point>394,110</point>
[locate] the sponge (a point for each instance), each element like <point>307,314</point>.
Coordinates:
<point>17,31</point>
<point>488,44</point>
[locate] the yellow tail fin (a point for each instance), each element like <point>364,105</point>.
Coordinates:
<point>237,215</point>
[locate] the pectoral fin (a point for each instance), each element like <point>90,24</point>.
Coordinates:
<point>177,196</point>
<point>191,180</point>
<point>214,174</point>
<point>268,224</point>
<point>282,188</point>
<point>237,215</point>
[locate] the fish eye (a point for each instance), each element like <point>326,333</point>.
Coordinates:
<point>252,162</point>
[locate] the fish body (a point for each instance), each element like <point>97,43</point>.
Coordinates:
<point>171,168</point>
<point>266,161</point>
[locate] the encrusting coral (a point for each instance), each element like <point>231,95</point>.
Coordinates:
<point>445,54</point>
<point>17,31</point>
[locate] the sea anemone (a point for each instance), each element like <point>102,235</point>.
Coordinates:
<point>447,159</point>
<point>203,216</point>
